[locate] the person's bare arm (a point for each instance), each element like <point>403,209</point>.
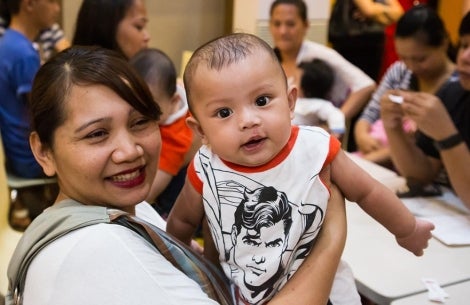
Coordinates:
<point>431,118</point>
<point>380,203</point>
<point>384,13</point>
<point>365,142</point>
<point>186,214</point>
<point>62,44</point>
<point>356,101</point>
<point>311,283</point>
<point>161,181</point>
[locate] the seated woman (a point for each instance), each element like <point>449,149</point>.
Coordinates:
<point>423,45</point>
<point>95,126</point>
<point>441,150</point>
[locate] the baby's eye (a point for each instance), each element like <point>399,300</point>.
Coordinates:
<point>262,101</point>
<point>223,113</point>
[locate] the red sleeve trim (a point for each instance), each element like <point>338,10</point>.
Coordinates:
<point>335,147</point>
<point>193,177</point>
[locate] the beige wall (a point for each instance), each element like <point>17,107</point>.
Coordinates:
<point>174,25</point>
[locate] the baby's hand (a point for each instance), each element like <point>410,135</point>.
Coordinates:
<point>417,241</point>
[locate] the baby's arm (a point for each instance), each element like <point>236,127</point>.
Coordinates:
<point>381,203</point>
<point>186,214</point>
<point>311,283</point>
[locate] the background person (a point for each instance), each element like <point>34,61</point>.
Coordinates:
<point>288,26</point>
<point>50,41</point>
<point>19,62</point>
<point>365,50</point>
<point>443,139</point>
<point>423,44</point>
<point>119,25</point>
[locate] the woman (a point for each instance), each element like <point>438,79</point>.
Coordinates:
<point>443,137</point>
<point>96,128</point>
<point>365,50</point>
<point>118,25</point>
<point>288,25</point>
<point>422,44</point>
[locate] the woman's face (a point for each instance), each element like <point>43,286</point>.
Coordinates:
<point>106,153</point>
<point>422,60</point>
<point>463,61</point>
<point>287,28</point>
<point>132,35</point>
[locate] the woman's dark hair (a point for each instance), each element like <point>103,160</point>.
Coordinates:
<point>423,23</point>
<point>464,28</point>
<point>9,8</point>
<point>84,66</point>
<point>301,7</point>
<point>97,23</point>
<point>317,78</point>
<point>156,68</point>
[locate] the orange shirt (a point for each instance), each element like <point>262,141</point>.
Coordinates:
<point>176,142</point>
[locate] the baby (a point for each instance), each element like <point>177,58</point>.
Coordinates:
<point>261,182</point>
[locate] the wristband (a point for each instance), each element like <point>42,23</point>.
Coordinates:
<point>449,142</point>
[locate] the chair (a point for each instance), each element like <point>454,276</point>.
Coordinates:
<point>8,236</point>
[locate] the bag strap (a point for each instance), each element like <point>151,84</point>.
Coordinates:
<point>209,278</point>
<point>70,215</point>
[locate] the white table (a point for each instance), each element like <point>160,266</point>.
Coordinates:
<point>459,294</point>
<point>383,270</point>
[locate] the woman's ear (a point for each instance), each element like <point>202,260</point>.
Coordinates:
<point>292,99</point>
<point>42,154</point>
<point>196,127</point>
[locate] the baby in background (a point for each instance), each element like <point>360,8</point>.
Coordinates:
<point>312,107</point>
<point>178,141</point>
<point>261,182</point>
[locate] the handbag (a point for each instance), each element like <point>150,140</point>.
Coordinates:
<point>343,26</point>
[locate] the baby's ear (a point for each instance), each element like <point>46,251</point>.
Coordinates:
<point>193,123</point>
<point>42,154</point>
<point>292,99</point>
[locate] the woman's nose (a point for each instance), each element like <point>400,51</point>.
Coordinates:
<point>127,149</point>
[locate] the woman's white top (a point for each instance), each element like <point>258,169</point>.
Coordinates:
<point>107,264</point>
<point>348,77</point>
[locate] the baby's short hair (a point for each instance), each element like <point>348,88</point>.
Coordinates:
<point>222,52</point>
<point>317,79</point>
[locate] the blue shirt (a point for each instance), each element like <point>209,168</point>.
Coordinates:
<point>19,62</point>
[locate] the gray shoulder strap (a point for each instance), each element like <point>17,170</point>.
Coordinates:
<point>53,223</point>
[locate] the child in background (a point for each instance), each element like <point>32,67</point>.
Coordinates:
<point>178,141</point>
<point>262,183</point>
<point>312,107</point>
<point>49,41</point>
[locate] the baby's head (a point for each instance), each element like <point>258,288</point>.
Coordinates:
<point>159,72</point>
<point>238,95</point>
<point>316,79</point>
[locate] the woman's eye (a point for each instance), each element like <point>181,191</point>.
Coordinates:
<point>96,134</point>
<point>262,101</point>
<point>141,122</point>
<point>223,113</point>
